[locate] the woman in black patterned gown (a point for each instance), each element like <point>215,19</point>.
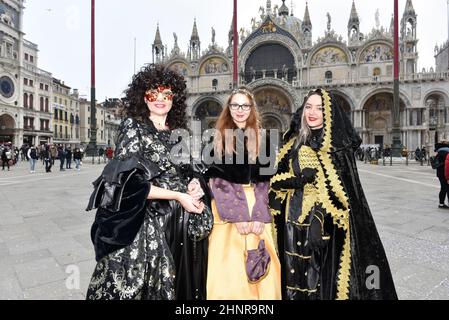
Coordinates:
<point>146,242</point>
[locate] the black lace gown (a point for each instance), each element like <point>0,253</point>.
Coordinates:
<point>142,247</point>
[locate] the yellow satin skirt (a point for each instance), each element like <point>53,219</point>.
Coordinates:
<point>226,275</point>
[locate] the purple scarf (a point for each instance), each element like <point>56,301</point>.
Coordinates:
<point>232,205</point>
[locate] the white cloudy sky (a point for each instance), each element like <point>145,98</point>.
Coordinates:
<point>61,28</point>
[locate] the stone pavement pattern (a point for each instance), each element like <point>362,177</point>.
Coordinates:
<point>44,230</point>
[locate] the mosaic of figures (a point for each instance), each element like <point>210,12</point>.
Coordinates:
<point>208,109</point>
<point>8,16</point>
<point>328,56</point>
<point>272,100</point>
<point>180,68</point>
<point>214,65</point>
<point>377,53</point>
<point>379,109</point>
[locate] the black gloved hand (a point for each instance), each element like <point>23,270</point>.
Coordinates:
<point>289,183</point>
<point>308,175</point>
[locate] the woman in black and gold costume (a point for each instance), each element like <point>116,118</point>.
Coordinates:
<point>328,242</point>
<point>147,234</point>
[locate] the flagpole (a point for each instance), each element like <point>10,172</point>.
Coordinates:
<point>236,42</point>
<point>396,132</point>
<point>93,122</point>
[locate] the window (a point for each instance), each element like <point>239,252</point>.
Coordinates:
<point>65,103</point>
<point>31,58</point>
<point>31,101</point>
<point>102,135</point>
<point>56,114</point>
<point>60,115</point>
<point>46,104</point>
<point>25,100</point>
<point>65,116</point>
<point>328,76</point>
<point>41,86</point>
<point>46,87</point>
<point>60,131</point>
<point>26,56</point>
<point>56,100</point>
<point>41,103</point>
<point>66,135</point>
<point>88,133</point>
<point>56,130</point>
<point>31,83</point>
<point>60,101</point>
<point>25,81</point>
<point>101,122</point>
<point>420,117</point>
<point>88,120</point>
<point>214,84</point>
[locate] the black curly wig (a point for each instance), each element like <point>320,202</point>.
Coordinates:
<point>150,77</point>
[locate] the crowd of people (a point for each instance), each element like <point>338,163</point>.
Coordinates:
<point>370,153</point>
<point>48,154</point>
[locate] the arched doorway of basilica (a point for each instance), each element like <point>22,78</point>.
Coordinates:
<point>344,104</point>
<point>7,127</point>
<point>207,113</point>
<point>205,116</point>
<point>378,119</point>
<point>438,117</point>
<point>275,108</point>
<point>271,100</point>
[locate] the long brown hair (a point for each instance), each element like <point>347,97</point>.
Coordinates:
<point>225,121</point>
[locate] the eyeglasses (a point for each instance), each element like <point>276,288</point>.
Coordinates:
<point>236,106</point>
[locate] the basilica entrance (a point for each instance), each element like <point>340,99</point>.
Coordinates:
<point>378,118</point>
<point>274,107</point>
<point>207,113</point>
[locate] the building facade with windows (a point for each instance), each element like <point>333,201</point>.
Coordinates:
<point>25,90</point>
<point>66,115</point>
<point>107,121</point>
<point>279,61</point>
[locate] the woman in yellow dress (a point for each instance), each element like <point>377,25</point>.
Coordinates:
<point>242,220</point>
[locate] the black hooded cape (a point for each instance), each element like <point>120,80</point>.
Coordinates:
<point>328,242</point>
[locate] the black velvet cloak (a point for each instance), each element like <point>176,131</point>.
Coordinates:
<point>328,242</point>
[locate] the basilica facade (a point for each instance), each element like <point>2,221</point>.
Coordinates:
<point>279,61</point>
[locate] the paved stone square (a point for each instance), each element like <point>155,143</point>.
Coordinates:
<point>45,239</point>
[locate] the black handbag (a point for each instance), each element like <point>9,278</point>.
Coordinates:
<point>200,225</point>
